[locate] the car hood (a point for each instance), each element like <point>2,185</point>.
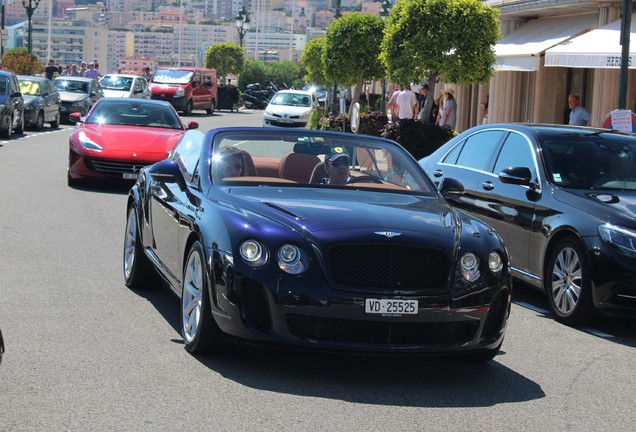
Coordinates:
<point>146,144</point>
<point>613,206</point>
<point>31,99</point>
<point>287,109</point>
<point>311,210</point>
<point>72,97</point>
<point>116,93</point>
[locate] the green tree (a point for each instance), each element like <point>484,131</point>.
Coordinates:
<point>449,39</point>
<point>313,60</point>
<point>254,71</point>
<point>286,72</point>
<point>226,58</point>
<point>352,50</point>
<point>21,62</point>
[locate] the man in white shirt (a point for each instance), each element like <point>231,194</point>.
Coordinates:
<point>406,105</point>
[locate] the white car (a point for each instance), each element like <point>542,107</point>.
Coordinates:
<point>289,108</point>
<point>125,86</point>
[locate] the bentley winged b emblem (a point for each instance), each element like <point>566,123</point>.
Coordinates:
<point>389,234</point>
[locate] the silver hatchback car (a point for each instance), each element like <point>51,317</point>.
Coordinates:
<point>125,86</point>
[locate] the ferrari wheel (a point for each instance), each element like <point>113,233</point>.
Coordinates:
<point>568,284</point>
<point>201,334</point>
<point>138,271</point>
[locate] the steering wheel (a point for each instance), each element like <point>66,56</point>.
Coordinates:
<point>364,178</point>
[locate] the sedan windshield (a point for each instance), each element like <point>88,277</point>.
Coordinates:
<point>133,113</point>
<point>71,86</point>
<point>317,160</point>
<point>292,99</point>
<point>592,162</point>
<point>116,83</point>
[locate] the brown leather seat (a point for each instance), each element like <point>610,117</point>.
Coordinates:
<point>249,168</point>
<point>298,166</point>
<point>319,173</point>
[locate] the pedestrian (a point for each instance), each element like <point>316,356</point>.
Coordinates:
<point>74,70</point>
<point>449,110</point>
<point>484,111</point>
<point>82,69</point>
<point>406,105</point>
<point>146,73</point>
<point>421,103</point>
<point>392,105</point>
<point>440,103</point>
<point>66,71</point>
<point>91,72</point>
<point>50,70</point>
<point>579,116</point>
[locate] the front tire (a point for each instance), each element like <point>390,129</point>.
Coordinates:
<point>568,285</point>
<point>6,132</point>
<point>200,332</point>
<point>210,110</point>
<point>20,128</point>
<point>188,108</point>
<point>138,271</point>
<point>39,121</point>
<point>56,122</point>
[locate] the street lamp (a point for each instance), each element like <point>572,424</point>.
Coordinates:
<point>29,10</point>
<point>242,24</point>
<point>385,12</point>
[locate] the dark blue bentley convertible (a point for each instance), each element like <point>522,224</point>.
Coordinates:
<point>315,239</point>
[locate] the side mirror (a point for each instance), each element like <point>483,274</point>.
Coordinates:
<point>167,171</point>
<point>193,125</point>
<point>75,117</point>
<point>449,187</point>
<point>516,175</point>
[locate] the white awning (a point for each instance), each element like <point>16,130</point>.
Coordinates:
<point>598,49</point>
<point>521,50</point>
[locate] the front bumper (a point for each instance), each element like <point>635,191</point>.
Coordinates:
<point>290,122</point>
<point>83,168</point>
<point>339,322</point>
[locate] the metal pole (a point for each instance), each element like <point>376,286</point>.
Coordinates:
<point>383,97</point>
<point>2,35</point>
<point>626,26</point>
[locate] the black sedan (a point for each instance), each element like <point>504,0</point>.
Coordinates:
<point>563,200</point>
<point>42,102</point>
<point>317,240</point>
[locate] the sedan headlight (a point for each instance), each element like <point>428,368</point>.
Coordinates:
<point>470,267</point>
<point>79,103</point>
<point>179,93</point>
<point>305,115</point>
<point>268,113</point>
<point>254,253</point>
<point>621,239</point>
<point>292,259</point>
<point>88,143</point>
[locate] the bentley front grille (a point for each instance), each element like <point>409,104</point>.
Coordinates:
<point>388,267</point>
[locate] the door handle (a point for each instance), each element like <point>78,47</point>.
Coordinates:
<point>488,185</point>
<point>438,173</point>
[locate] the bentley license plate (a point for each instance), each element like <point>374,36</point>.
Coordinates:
<point>390,306</point>
<point>130,176</point>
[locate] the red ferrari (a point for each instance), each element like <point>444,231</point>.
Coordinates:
<point>119,136</point>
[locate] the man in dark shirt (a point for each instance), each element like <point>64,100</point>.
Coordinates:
<point>50,70</point>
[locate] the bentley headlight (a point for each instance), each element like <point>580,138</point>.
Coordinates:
<point>495,263</point>
<point>292,259</point>
<point>470,267</point>
<point>179,93</point>
<point>622,239</point>
<point>88,143</point>
<point>254,253</point>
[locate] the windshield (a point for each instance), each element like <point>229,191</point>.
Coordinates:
<point>133,113</point>
<point>172,76</point>
<point>604,161</point>
<point>28,87</point>
<point>71,86</point>
<point>317,160</point>
<point>116,83</point>
<point>292,99</point>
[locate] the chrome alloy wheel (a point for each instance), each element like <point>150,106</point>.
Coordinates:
<point>567,280</point>
<point>191,299</point>
<point>130,243</point>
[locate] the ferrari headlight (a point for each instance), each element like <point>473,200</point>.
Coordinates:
<point>88,143</point>
<point>621,239</point>
<point>470,267</point>
<point>495,263</point>
<point>179,93</point>
<point>253,253</point>
<point>292,259</point>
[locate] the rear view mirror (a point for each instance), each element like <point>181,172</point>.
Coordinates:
<point>516,175</point>
<point>75,117</point>
<point>449,187</point>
